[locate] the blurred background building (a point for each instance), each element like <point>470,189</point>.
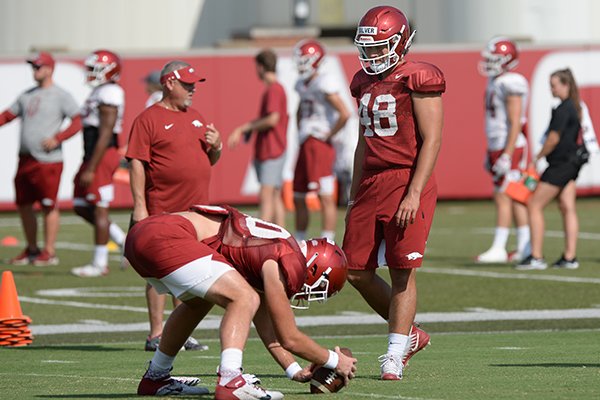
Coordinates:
<point>175,25</point>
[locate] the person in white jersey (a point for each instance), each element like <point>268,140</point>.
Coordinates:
<point>102,123</point>
<point>42,110</point>
<point>505,106</point>
<point>321,115</point>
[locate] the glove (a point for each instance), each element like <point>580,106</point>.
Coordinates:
<point>502,165</point>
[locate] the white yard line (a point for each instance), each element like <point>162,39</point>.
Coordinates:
<point>509,275</point>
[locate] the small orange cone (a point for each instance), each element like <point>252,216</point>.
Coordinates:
<point>9,241</point>
<point>13,324</point>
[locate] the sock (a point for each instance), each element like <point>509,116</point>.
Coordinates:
<point>397,344</point>
<point>328,234</point>
<point>523,240</point>
<point>300,235</point>
<point>116,234</point>
<point>500,238</point>
<point>231,365</point>
<point>100,256</point>
<point>160,366</point>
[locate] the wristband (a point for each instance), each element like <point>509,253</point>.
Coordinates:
<point>332,362</point>
<point>292,370</point>
<point>350,203</point>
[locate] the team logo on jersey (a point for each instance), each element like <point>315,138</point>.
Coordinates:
<point>167,127</point>
<point>367,30</point>
<point>414,255</point>
<point>197,123</point>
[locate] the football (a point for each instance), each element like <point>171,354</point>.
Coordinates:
<point>325,380</point>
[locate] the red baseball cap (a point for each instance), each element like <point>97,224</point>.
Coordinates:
<point>185,75</point>
<point>41,59</point>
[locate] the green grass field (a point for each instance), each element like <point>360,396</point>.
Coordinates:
<point>496,333</point>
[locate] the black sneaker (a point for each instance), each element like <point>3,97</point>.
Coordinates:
<point>532,263</point>
<point>562,262</point>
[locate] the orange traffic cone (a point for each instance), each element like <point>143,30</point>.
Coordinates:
<point>13,324</point>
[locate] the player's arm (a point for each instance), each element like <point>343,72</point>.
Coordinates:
<point>261,124</point>
<point>264,328</point>
<point>137,182</point>
<point>108,119</point>
<point>287,332</point>
<point>343,113</point>
<point>428,111</point>
<point>359,155</point>
<point>514,107</point>
<point>6,117</point>
<point>551,141</point>
<point>70,131</point>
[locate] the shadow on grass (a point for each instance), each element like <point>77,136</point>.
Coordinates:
<point>112,396</point>
<point>86,347</point>
<point>550,365</point>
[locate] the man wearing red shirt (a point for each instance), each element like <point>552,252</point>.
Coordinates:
<point>271,139</point>
<point>171,150</point>
<point>394,190</point>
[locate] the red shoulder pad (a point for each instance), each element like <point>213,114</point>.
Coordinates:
<point>426,78</point>
<point>212,210</point>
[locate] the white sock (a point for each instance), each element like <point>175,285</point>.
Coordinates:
<point>500,238</point>
<point>397,343</point>
<point>328,234</point>
<point>231,365</point>
<point>161,362</point>
<point>100,256</point>
<point>116,234</point>
<point>523,239</point>
<point>300,235</point>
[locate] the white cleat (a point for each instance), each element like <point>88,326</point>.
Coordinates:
<point>492,256</point>
<point>89,271</point>
<point>391,367</point>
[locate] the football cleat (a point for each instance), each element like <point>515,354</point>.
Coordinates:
<point>192,344</point>
<point>391,367</point>
<point>45,259</point>
<point>25,257</point>
<point>417,341</point>
<point>532,263</point>
<point>240,389</point>
<point>170,386</point>
<point>562,262</point>
<point>493,255</point>
<point>89,271</point>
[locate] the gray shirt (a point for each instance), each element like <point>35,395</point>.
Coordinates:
<point>42,111</point>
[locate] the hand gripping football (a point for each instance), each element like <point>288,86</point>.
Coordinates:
<point>325,380</point>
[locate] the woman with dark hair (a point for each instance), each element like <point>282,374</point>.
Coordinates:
<point>558,179</point>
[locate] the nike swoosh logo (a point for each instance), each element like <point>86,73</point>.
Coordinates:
<point>398,76</point>
<point>167,127</point>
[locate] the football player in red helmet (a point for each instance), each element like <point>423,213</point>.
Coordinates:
<point>500,55</point>
<point>394,189</point>
<point>383,38</point>
<point>506,97</point>
<point>191,255</point>
<point>102,119</point>
<point>102,66</point>
<point>321,115</point>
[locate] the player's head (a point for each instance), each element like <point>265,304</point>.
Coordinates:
<point>43,66</point>
<point>383,37</point>
<point>500,55</point>
<point>102,66</point>
<point>326,266</point>
<point>308,54</point>
<point>152,81</point>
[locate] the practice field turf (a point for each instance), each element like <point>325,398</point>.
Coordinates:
<point>496,333</point>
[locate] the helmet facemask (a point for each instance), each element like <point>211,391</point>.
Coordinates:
<point>377,56</point>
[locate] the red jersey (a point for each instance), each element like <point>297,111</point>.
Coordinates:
<point>272,143</point>
<point>173,147</point>
<point>247,242</point>
<point>386,116</point>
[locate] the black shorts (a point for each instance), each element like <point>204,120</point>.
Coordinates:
<point>560,174</point>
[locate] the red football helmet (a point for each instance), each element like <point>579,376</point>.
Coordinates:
<point>326,272</point>
<point>102,66</point>
<point>500,55</point>
<point>308,54</point>
<point>383,38</point>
